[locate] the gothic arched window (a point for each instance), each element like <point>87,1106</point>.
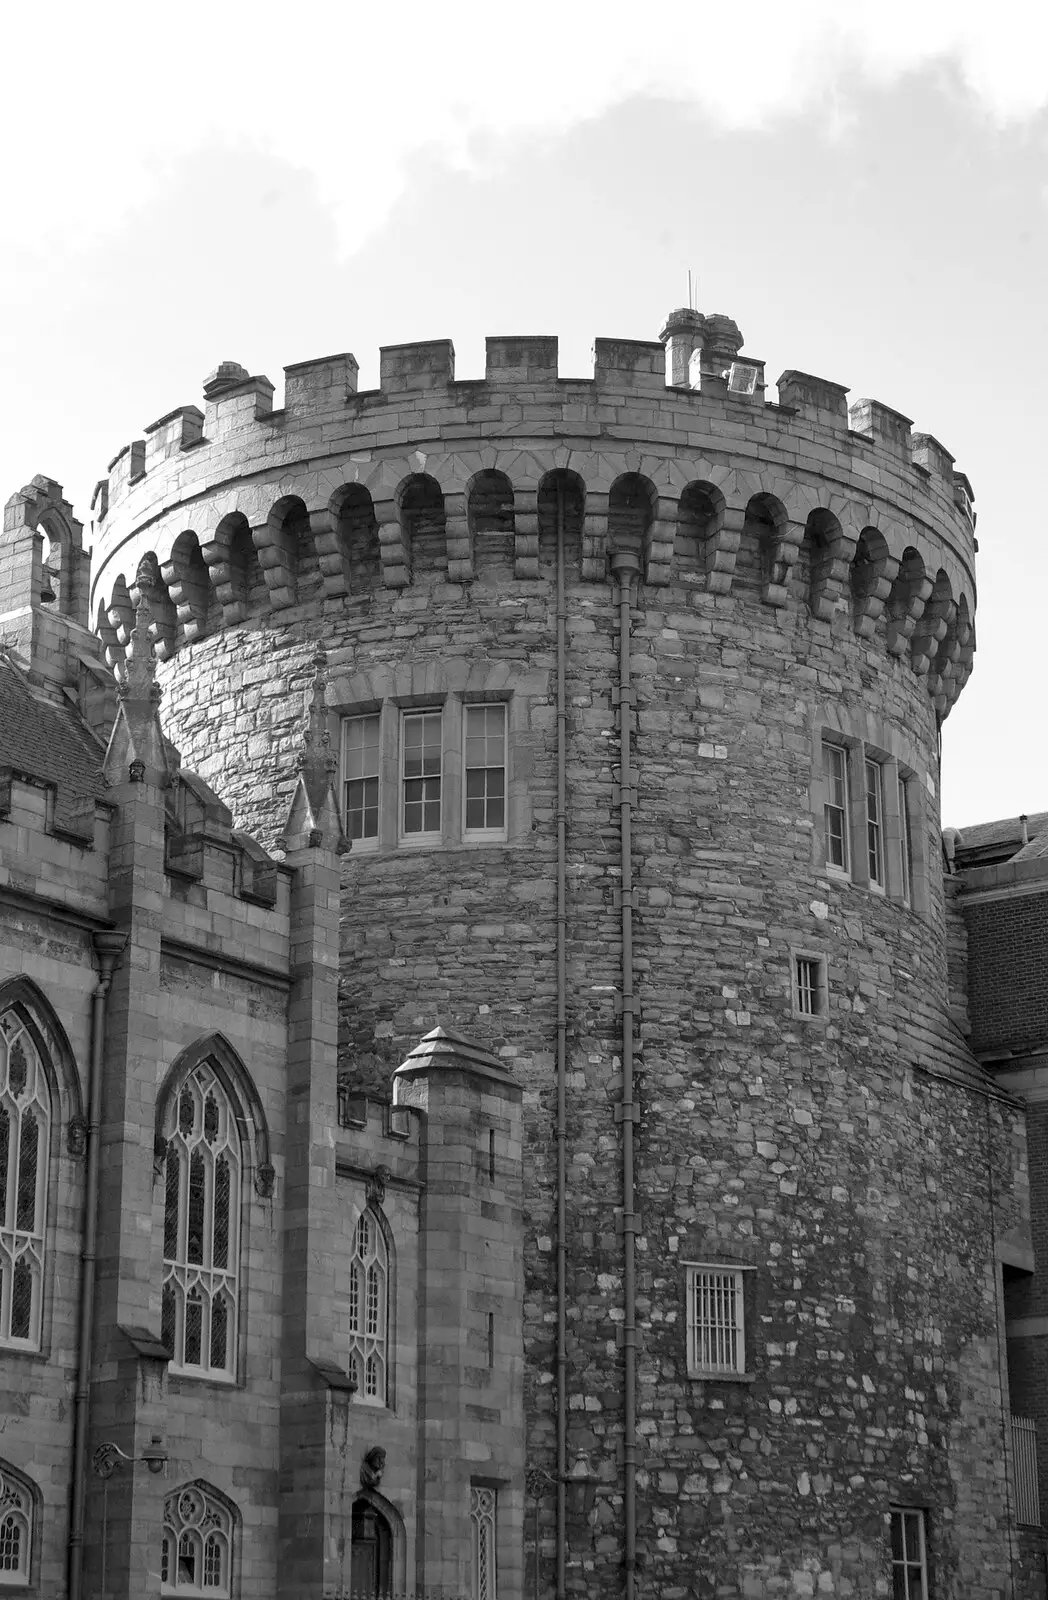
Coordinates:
<point>25,1132</point>
<point>196,1555</point>
<point>201,1228</point>
<point>368,1309</point>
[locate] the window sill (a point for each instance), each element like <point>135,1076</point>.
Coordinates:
<point>213,1380</point>
<point>722,1377</point>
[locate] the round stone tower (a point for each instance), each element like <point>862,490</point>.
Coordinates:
<point>635,686</point>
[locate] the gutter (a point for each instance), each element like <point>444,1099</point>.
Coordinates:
<point>108,949</point>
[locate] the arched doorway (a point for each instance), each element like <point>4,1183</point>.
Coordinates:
<point>371,1553</point>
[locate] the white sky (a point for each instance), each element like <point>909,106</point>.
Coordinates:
<point>863,188</point>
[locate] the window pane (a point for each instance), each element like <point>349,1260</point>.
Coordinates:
<point>21,1300</point>
<point>27,1167</point>
<point>485,767</point>
<point>220,1236</point>
<point>194,1329</point>
<point>195,1240</point>
<point>360,759</point>
<point>5,1145</point>
<point>835,770</point>
<point>874,821</point>
<point>171,1204</point>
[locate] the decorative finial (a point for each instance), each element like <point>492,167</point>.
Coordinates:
<point>137,679</point>
<point>316,754</point>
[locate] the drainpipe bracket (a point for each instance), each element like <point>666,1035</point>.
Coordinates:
<point>630,1113</point>
<point>627,1221</point>
<point>632,1005</point>
<point>628,1336</point>
<point>624,797</point>
<point>631,899</point>
<point>623,694</point>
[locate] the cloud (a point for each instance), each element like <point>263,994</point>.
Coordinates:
<point>101,101</point>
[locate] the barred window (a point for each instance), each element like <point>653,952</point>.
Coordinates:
<point>201,1229</point>
<point>197,1545</point>
<point>716,1322</point>
<point>16,1530</point>
<point>421,761</point>
<point>483,1517</point>
<point>835,811</point>
<point>485,769</point>
<point>25,1131</point>
<point>360,774</point>
<point>909,1554</point>
<point>368,1309</point>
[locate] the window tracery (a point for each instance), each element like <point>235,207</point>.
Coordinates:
<point>368,1309</point>
<point>196,1552</point>
<point>25,1129</point>
<point>202,1188</point>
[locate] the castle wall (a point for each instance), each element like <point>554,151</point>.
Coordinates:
<point>848,1165</point>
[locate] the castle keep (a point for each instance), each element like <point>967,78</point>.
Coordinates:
<point>537,1147</point>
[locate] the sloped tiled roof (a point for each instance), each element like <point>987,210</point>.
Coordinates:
<point>1003,840</point>
<point>50,742</point>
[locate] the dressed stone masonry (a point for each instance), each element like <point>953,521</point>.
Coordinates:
<point>627,694</point>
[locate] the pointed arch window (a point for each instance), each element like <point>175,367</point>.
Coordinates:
<point>368,1310</point>
<point>196,1554</point>
<point>202,1188</point>
<point>16,1530</point>
<point>25,1133</point>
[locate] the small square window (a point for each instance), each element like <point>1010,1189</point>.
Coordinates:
<point>810,989</point>
<point>716,1322</point>
<point>909,1554</point>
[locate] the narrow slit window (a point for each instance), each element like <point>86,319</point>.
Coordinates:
<point>367,1309</point>
<point>905,841</point>
<point>360,773</point>
<point>875,823</point>
<point>421,765</point>
<point>485,769</point>
<point>835,771</point>
<point>483,1516</point>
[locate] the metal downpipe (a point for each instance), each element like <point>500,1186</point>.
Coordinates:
<point>108,947</point>
<point>625,567</point>
<point>562,1071</point>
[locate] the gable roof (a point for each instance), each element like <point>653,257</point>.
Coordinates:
<point>42,739</point>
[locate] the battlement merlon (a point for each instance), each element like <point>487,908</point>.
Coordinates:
<point>695,366</point>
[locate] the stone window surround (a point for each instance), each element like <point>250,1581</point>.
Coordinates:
<point>452,701</point>
<point>822,1012</point>
<point>743,1274</point>
<point>23,995</point>
<point>866,738</point>
<point>224,1522</point>
<point>257,1183</point>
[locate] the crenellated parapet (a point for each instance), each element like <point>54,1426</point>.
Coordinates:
<point>238,512</point>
